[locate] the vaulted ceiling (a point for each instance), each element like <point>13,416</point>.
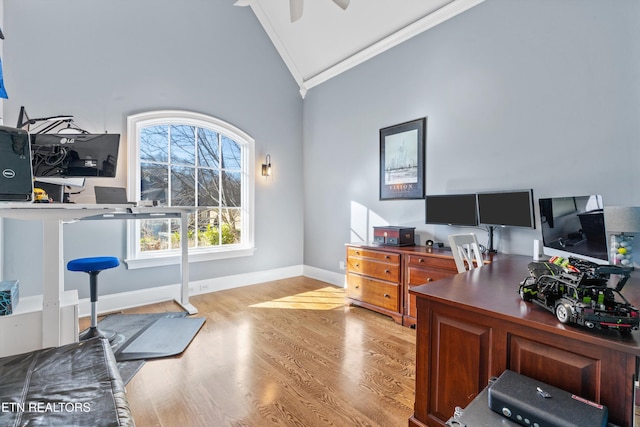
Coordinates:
<point>327,40</point>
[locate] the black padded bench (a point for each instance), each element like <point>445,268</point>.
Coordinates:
<point>72,385</point>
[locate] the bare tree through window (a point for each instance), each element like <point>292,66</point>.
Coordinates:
<point>187,165</point>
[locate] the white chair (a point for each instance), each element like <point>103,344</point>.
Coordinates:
<point>466,251</point>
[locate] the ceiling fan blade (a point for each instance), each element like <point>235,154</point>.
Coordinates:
<point>295,9</point>
<point>344,4</point>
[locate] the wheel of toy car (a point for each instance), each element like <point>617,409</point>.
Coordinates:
<point>563,312</point>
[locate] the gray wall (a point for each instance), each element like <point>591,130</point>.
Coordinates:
<point>541,94</point>
<point>104,60</point>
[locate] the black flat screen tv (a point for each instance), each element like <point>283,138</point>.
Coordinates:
<point>451,209</point>
<point>573,226</point>
<point>74,155</point>
<point>506,208</point>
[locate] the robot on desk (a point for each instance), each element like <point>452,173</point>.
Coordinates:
<point>578,292</point>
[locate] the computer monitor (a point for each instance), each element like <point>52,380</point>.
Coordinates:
<point>74,155</point>
<point>451,209</point>
<point>506,208</point>
<point>573,226</point>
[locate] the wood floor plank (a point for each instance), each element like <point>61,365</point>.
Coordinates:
<point>282,353</point>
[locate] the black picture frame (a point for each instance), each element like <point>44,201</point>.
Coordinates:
<point>402,160</point>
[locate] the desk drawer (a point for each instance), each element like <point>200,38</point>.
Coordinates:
<point>432,262</point>
<point>375,269</point>
<point>420,276</point>
<point>377,255</point>
<point>375,292</point>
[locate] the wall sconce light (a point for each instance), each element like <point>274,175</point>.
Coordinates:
<point>266,166</point>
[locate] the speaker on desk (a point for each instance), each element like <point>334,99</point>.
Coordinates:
<point>538,252</point>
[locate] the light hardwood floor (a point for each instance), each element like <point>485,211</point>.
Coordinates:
<point>283,353</point>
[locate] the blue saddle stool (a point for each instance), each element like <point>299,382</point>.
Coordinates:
<point>93,266</point>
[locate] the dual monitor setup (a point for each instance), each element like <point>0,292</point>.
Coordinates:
<point>53,160</point>
<point>572,226</point>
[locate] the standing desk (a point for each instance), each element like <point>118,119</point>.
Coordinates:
<point>53,216</point>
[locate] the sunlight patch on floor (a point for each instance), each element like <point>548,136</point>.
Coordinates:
<point>327,298</point>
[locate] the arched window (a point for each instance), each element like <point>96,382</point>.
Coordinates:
<point>180,158</point>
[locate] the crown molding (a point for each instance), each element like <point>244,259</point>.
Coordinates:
<point>437,17</point>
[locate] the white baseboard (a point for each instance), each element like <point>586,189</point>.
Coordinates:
<point>336,279</point>
<point>121,301</point>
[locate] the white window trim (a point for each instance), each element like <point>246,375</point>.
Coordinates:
<point>134,124</point>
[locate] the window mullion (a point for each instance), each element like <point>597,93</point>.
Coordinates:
<point>220,167</point>
<point>169,164</point>
<point>196,149</point>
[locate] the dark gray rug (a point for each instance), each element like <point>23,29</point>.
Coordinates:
<point>167,336</point>
<point>127,326</point>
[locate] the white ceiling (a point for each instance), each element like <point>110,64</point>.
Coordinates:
<point>328,40</point>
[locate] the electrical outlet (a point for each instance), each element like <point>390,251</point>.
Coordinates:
<point>342,266</point>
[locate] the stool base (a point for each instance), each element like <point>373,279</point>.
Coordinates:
<point>95,332</point>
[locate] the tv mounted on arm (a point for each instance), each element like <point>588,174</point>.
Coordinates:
<point>458,210</point>
<point>492,209</point>
<point>70,152</point>
<point>451,209</point>
<point>505,209</point>
<point>81,155</point>
<point>63,154</point>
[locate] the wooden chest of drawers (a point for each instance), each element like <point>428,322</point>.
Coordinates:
<point>374,281</point>
<point>379,278</point>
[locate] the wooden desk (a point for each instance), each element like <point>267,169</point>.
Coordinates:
<point>53,216</point>
<point>473,326</point>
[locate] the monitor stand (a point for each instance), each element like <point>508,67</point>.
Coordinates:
<point>491,249</point>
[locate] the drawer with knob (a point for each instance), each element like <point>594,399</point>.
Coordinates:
<point>374,255</point>
<point>375,269</point>
<point>419,260</point>
<point>421,276</point>
<point>375,292</point>
<point>419,273</point>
